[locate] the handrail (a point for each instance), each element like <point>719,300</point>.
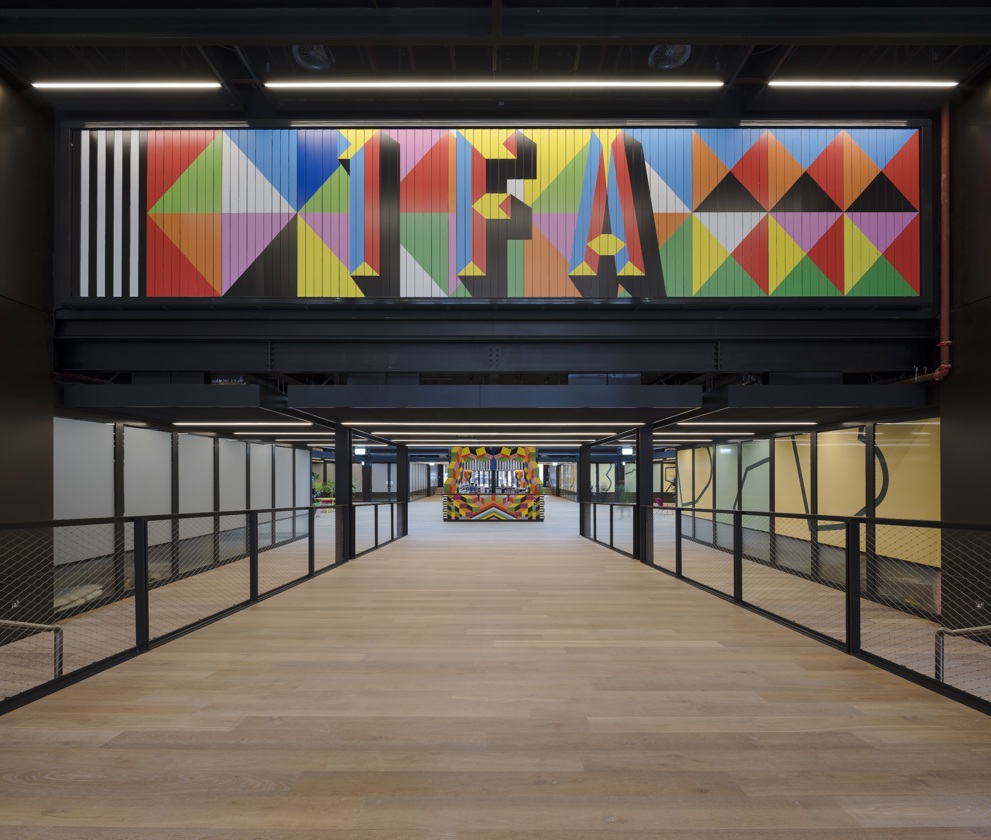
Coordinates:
<point>943,632</point>
<point>55,629</point>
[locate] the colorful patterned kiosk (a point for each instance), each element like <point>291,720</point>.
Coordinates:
<point>493,483</point>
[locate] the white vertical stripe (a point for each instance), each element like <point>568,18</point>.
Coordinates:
<point>135,215</point>
<point>118,211</point>
<point>84,213</point>
<point>101,213</point>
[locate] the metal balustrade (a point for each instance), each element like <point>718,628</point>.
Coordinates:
<point>110,588</point>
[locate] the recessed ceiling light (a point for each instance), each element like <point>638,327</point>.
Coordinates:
<point>126,85</point>
<point>861,83</point>
<point>495,84</point>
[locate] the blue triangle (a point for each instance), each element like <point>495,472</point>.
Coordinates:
<point>273,152</point>
<point>881,144</point>
<point>318,150</point>
<point>730,144</point>
<point>805,144</point>
<point>668,151</point>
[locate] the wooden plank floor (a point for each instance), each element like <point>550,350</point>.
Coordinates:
<point>495,681</point>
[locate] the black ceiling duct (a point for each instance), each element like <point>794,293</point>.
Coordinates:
<point>313,56</point>
<point>668,56</point>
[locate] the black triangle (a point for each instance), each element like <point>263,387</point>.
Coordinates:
<point>730,196</point>
<point>274,272</point>
<point>881,196</point>
<point>806,196</point>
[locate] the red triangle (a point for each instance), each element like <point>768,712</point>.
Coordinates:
<point>428,186</point>
<point>903,170</point>
<point>827,171</point>
<point>751,171</point>
<point>827,253</point>
<point>510,143</point>
<point>904,254</point>
<point>170,153</point>
<point>751,253</point>
<point>169,272</point>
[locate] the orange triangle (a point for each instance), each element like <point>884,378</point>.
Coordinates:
<point>666,224</point>
<point>782,170</point>
<point>707,170</point>
<point>827,171</point>
<point>429,187</point>
<point>858,170</point>
<point>751,170</point>
<point>545,269</point>
<point>197,236</point>
<point>169,273</point>
<point>903,171</point>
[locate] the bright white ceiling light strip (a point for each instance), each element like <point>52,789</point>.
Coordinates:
<point>682,434</point>
<point>861,83</point>
<point>312,434</point>
<point>126,85</point>
<point>589,435</point>
<point>241,423</point>
<point>750,423</point>
<point>472,425</point>
<point>496,84</point>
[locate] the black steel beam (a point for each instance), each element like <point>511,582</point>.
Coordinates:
<point>826,396</point>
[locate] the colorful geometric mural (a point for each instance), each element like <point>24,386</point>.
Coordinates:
<point>493,484</point>
<point>506,212</point>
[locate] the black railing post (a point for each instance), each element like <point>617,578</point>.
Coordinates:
<point>392,520</point>
<point>612,524</point>
<point>737,557</point>
<point>677,542</point>
<point>253,556</point>
<point>375,511</point>
<point>311,540</point>
<point>142,624</point>
<point>853,586</point>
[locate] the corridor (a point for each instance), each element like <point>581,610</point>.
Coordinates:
<point>494,681</point>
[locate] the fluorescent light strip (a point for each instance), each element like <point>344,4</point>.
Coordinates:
<point>589,435</point>
<point>860,83</point>
<point>682,434</point>
<point>126,85</point>
<point>471,426</point>
<point>680,440</point>
<point>242,423</point>
<point>496,84</point>
<point>288,434</point>
<point>749,423</point>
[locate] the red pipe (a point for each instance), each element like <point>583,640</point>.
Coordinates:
<point>944,367</point>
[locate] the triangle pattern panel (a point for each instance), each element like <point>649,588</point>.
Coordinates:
<point>751,254</point>
<point>881,280</point>
<point>881,228</point>
<point>414,145</point>
<point>317,160</point>
<point>669,154</point>
<point>828,254</point>
<point>707,171</point>
<point>558,229</point>
<point>903,254</point>
<point>783,254</point>
<point>881,196</point>
<point>246,188</point>
<point>903,170</point>
<point>665,225</point>
<point>423,237</point>
<point>730,228</point>
<point>806,279</point>
<point>663,199</point>
<point>198,188</point>
<point>751,170</point>
<point>333,196</point>
<point>198,236</point>
<point>562,195</point>
<point>334,229</point>
<point>859,254</point>
<point>731,280</point>
<point>561,151</point>
<point>274,152</point>
<point>428,186</point>
<point>708,254</point>
<point>676,260</point>
<point>169,154</point>
<point>827,171</point>
<point>275,272</point>
<point>858,170</point>
<point>415,281</point>
<point>805,144</point>
<point>881,145</point>
<point>806,196</point>
<point>170,273</point>
<point>245,236</point>
<point>730,144</point>
<point>729,196</point>
<point>320,272</point>
<point>806,228</point>
<point>546,267</point>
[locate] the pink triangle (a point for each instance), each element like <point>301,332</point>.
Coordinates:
<point>244,237</point>
<point>414,144</point>
<point>881,228</point>
<point>334,231</point>
<point>559,228</point>
<point>806,228</point>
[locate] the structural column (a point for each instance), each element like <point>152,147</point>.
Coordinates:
<point>344,496</point>
<point>402,491</point>
<point>643,514</point>
<point>585,490</point>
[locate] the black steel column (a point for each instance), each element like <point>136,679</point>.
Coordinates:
<point>142,622</point>
<point>120,578</point>
<point>643,513</point>
<point>585,489</point>
<point>853,587</point>
<point>344,496</point>
<point>402,491</point>
<point>816,563</point>
<point>174,542</point>
<point>870,511</point>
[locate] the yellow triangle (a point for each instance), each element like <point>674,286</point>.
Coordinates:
<point>859,254</point>
<point>488,206</point>
<point>556,148</point>
<point>356,137</point>
<point>630,270</point>
<point>490,142</point>
<point>365,270</point>
<point>783,254</point>
<point>606,245</point>
<point>708,253</point>
<point>320,272</point>
<point>584,270</point>
<point>471,270</point>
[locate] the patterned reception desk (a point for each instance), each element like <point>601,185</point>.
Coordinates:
<point>486,483</point>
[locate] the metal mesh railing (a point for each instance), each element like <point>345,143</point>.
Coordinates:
<point>701,560</point>
<point>325,538</point>
<point>79,578</point>
<point>374,525</point>
<point>288,559</point>
<point>663,554</point>
<point>612,524</point>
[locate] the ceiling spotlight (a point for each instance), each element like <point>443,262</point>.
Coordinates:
<point>668,57</point>
<point>313,57</point>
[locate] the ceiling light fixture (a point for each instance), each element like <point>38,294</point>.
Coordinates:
<point>749,423</point>
<point>241,423</point>
<point>861,83</point>
<point>495,84</point>
<point>126,85</point>
<point>470,425</point>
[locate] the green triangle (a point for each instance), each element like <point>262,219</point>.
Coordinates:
<point>424,235</point>
<point>563,194</point>
<point>676,261</point>
<point>624,294</point>
<point>514,269</point>
<point>806,280</point>
<point>730,280</point>
<point>460,292</point>
<point>334,196</point>
<point>881,280</point>
<point>200,188</point>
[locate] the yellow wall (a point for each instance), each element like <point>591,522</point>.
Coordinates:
<point>841,463</point>
<point>790,478</point>
<point>703,480</point>
<point>686,491</point>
